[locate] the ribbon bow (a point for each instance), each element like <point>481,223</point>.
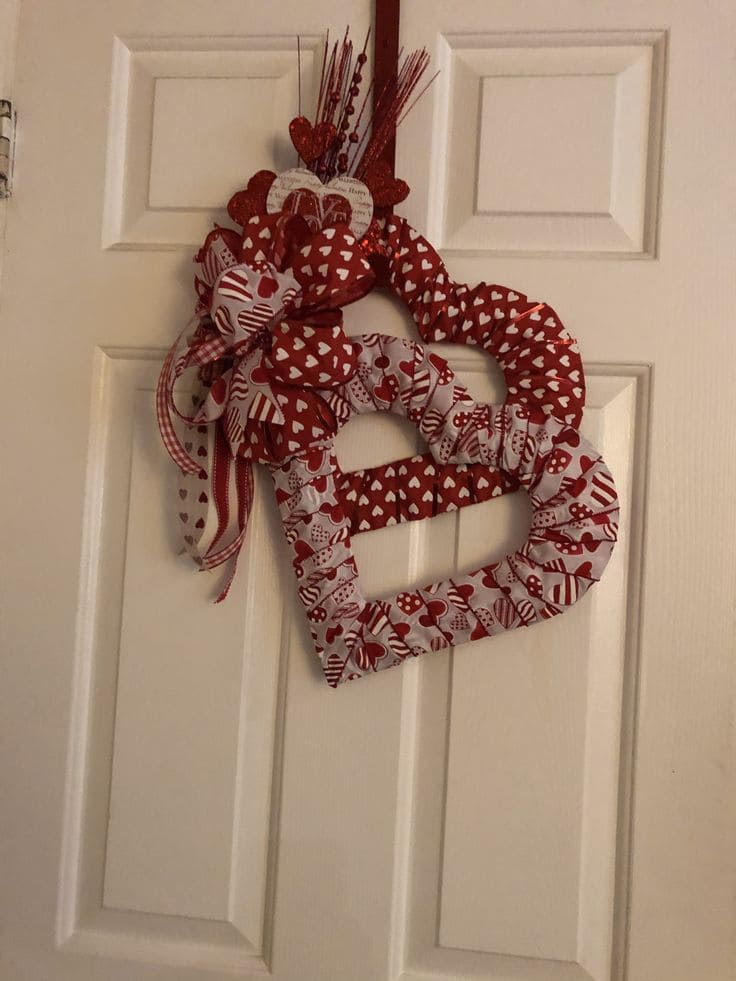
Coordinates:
<point>270,329</point>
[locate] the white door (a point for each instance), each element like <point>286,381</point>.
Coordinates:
<point>184,797</point>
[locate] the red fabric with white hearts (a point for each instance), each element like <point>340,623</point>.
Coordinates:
<point>540,360</point>
<point>574,525</point>
<point>415,488</point>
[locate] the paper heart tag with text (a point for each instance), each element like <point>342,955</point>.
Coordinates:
<point>342,200</point>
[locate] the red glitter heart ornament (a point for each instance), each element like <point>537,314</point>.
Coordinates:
<point>252,201</point>
<point>310,142</point>
<point>386,189</point>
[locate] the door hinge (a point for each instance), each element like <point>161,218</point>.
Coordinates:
<point>7,147</point>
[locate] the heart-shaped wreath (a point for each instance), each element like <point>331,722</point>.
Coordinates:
<point>279,377</point>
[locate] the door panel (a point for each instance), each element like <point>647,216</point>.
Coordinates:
<point>553,167</point>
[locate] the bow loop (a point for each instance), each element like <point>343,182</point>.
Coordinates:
<point>218,253</point>
<point>274,238</point>
<point>317,357</point>
<point>331,270</point>
<point>247,299</point>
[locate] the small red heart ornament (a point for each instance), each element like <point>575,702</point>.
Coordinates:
<point>386,189</point>
<point>311,141</point>
<point>252,201</point>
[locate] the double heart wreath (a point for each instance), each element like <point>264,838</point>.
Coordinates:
<point>279,377</point>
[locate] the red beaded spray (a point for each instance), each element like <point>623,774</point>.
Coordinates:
<point>348,135</point>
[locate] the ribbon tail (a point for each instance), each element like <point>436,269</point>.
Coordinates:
<point>195,496</point>
<point>206,507</point>
<point>226,475</point>
<point>244,486</point>
<point>219,490</point>
<point>164,403</point>
<point>249,398</point>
